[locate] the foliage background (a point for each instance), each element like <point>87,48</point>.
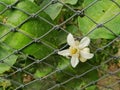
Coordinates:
<point>32,31</point>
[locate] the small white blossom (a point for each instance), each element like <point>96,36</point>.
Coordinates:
<point>77,50</point>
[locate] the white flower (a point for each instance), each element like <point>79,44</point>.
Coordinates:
<point>77,50</point>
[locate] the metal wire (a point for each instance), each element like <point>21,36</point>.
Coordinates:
<point>25,70</point>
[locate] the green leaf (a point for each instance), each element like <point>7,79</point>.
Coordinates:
<point>32,0</point>
<point>72,2</point>
<point>43,71</point>
<point>41,3</point>
<point>63,63</point>
<point>34,28</point>
<point>7,62</point>
<point>4,83</point>
<point>46,67</point>
<point>100,12</point>
<point>8,1</point>
<point>68,72</point>
<point>64,66</point>
<point>93,87</point>
<point>54,10</point>
<point>41,84</point>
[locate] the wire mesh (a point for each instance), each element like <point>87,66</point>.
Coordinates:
<point>21,74</point>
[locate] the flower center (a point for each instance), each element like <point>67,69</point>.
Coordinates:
<point>73,50</point>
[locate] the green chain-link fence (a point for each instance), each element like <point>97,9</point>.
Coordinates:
<point>33,31</point>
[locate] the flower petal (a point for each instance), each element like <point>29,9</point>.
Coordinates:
<point>74,61</point>
<point>70,39</point>
<point>86,49</point>
<point>85,53</point>
<point>64,52</point>
<point>82,59</point>
<point>84,42</point>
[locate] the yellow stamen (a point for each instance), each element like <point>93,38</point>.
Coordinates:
<point>73,50</point>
